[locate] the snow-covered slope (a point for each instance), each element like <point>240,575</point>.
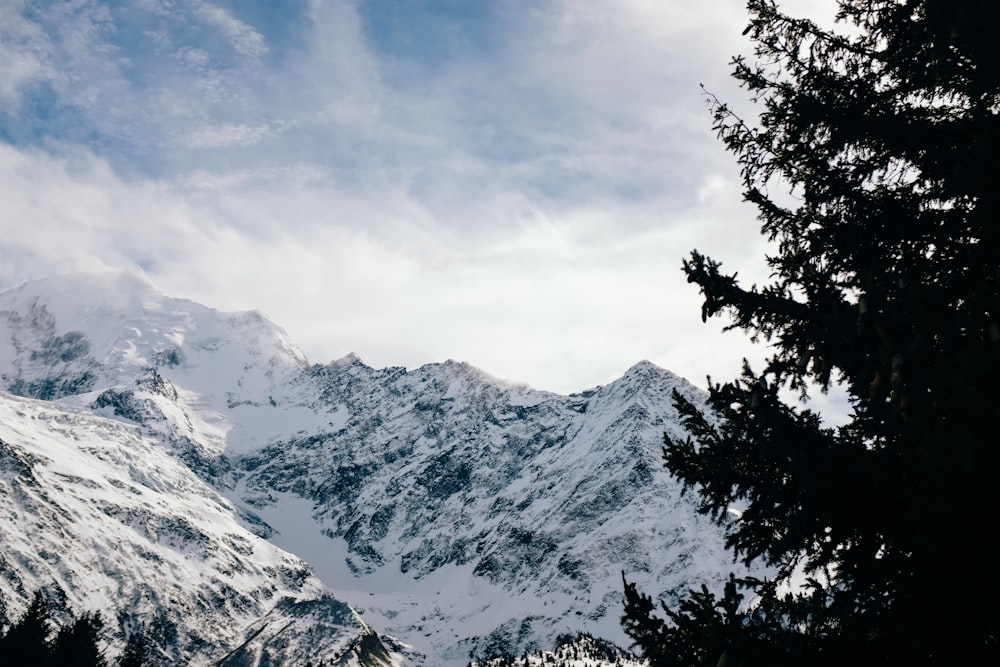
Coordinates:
<point>479,518</point>
<point>97,512</point>
<point>465,515</point>
<point>570,651</point>
<point>83,333</point>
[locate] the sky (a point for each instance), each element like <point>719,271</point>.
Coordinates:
<point>511,183</point>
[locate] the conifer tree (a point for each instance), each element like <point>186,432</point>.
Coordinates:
<point>77,644</point>
<point>873,167</point>
<point>137,651</point>
<point>27,641</point>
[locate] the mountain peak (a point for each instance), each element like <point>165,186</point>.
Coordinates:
<point>508,511</point>
<point>114,289</point>
<point>644,366</point>
<point>349,359</point>
<point>83,332</point>
<point>645,370</point>
<point>643,373</point>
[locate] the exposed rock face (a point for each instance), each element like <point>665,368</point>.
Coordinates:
<point>468,516</point>
<point>533,501</point>
<point>109,520</point>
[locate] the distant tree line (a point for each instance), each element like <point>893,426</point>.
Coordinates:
<point>35,639</point>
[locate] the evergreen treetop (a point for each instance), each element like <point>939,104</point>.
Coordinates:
<point>78,644</point>
<point>34,639</point>
<point>873,168</point>
<point>28,640</point>
<point>138,650</point>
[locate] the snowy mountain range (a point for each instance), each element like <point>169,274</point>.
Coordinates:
<point>192,470</point>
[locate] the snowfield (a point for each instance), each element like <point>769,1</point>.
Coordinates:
<point>167,459</point>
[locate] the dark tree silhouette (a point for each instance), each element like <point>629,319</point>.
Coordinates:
<point>137,651</point>
<point>873,166</point>
<point>30,640</point>
<point>77,644</point>
<point>27,641</point>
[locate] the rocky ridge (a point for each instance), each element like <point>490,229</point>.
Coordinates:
<point>106,519</point>
<point>468,516</point>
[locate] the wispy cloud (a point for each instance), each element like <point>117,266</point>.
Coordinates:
<point>241,36</point>
<point>509,183</point>
<point>227,134</point>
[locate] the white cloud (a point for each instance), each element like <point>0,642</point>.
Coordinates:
<point>22,60</point>
<point>524,210</point>
<point>337,81</point>
<point>227,134</point>
<point>548,305</point>
<point>243,37</point>
<point>23,53</point>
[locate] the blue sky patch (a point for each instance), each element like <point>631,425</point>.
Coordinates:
<point>433,33</point>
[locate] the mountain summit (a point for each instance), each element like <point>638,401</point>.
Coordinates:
<point>467,516</point>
